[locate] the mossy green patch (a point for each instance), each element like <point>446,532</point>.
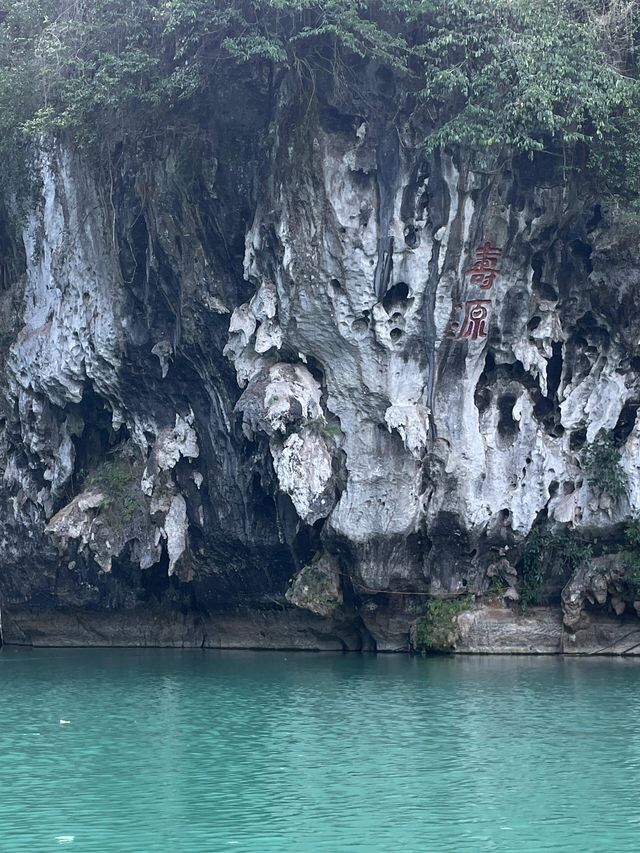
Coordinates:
<point>119,480</point>
<point>437,630</point>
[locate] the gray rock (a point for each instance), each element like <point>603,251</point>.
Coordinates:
<point>304,357</point>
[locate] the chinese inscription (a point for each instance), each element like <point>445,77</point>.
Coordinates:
<point>474,324</point>
<point>473,314</point>
<point>485,269</point>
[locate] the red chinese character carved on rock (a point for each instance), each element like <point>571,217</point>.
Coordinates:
<point>485,269</point>
<point>474,324</point>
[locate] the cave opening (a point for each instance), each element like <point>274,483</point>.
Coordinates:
<point>307,545</point>
<point>582,251</point>
<point>98,438</point>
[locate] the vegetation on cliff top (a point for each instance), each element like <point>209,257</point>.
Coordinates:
<point>502,75</point>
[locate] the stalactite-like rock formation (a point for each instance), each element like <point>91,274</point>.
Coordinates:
<point>281,392</point>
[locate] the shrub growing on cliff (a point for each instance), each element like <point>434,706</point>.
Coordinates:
<point>528,75</point>
<point>549,554</point>
<point>602,464</point>
<point>631,555</point>
<point>119,480</point>
<point>437,630</point>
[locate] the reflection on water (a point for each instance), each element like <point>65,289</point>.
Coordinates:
<point>204,751</point>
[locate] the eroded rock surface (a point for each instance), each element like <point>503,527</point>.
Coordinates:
<point>342,376</point>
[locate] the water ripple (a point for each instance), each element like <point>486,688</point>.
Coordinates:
<point>204,751</point>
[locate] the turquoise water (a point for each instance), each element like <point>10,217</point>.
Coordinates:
<point>201,751</point>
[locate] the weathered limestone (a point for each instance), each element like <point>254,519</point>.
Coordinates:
<point>342,376</point>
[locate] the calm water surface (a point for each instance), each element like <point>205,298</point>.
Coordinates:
<point>204,751</point>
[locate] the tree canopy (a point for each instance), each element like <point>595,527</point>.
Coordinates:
<point>517,75</point>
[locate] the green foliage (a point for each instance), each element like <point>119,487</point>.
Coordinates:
<point>601,461</point>
<point>329,430</point>
<point>549,554</point>
<point>497,587</point>
<point>632,532</point>
<point>631,555</point>
<point>496,75</point>
<point>437,630</point>
<point>119,480</point>
<point>533,76</point>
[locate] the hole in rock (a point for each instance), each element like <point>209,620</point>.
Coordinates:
<point>396,317</point>
<point>395,334</point>
<point>335,284</point>
<point>568,487</point>
<point>543,408</point>
<point>595,335</point>
<point>625,423</point>
<point>537,169</point>
<point>489,363</point>
<point>98,438</point>
<point>548,292</point>
<point>577,439</point>
<point>537,265</point>
<point>335,121</point>
<point>545,291</point>
<point>359,327</point>
<point>505,515</point>
<point>507,426</point>
<point>306,544</point>
<point>483,399</point>
<point>410,237</point>
<point>554,369</point>
<point>533,323</point>
<point>554,485</point>
<point>397,293</point>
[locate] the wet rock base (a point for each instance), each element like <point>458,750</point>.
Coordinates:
<point>485,629</point>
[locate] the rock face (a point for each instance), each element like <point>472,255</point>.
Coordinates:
<point>307,382</point>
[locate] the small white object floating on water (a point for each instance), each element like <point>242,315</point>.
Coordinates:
<point>65,839</point>
<point>65,723</point>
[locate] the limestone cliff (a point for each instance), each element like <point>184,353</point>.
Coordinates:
<point>281,386</point>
